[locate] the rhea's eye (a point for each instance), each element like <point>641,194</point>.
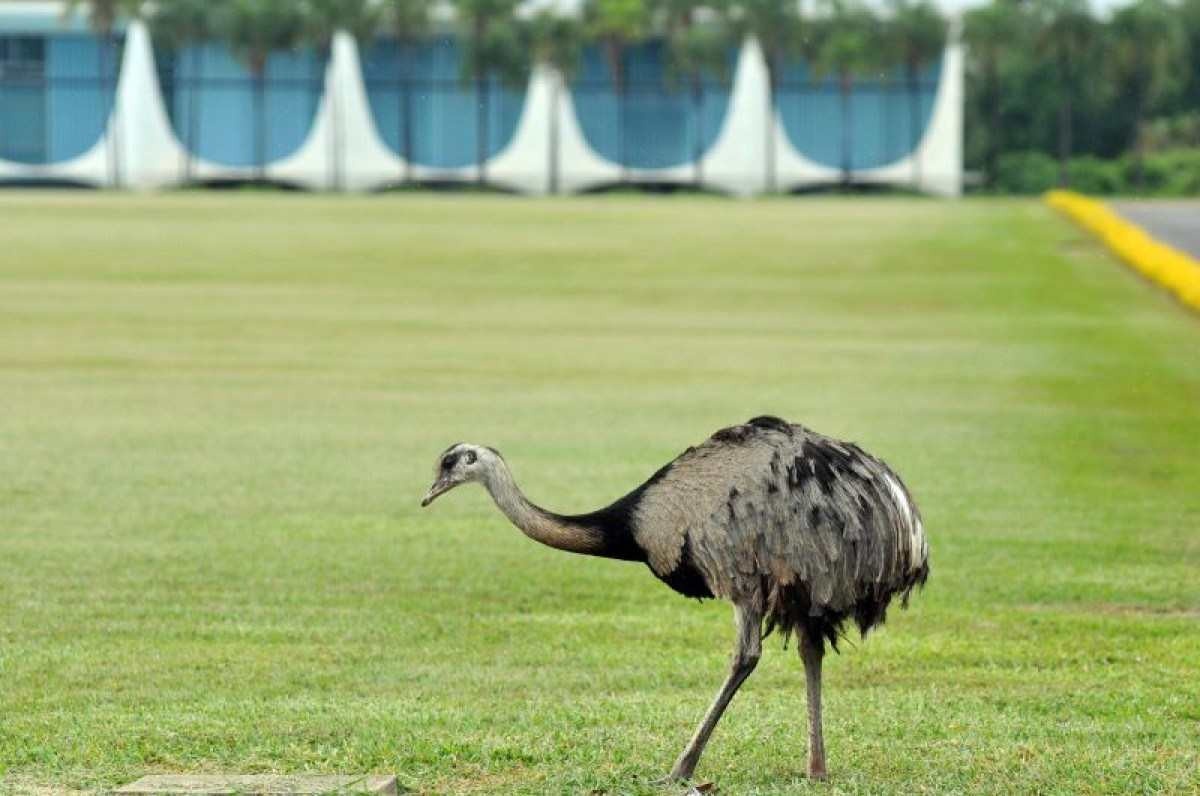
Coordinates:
<point>471,457</point>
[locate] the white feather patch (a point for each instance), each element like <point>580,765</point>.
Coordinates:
<point>916,534</point>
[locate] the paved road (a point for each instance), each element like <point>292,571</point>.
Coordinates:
<point>1176,222</point>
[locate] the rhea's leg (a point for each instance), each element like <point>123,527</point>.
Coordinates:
<point>745,658</point>
<point>812,653</point>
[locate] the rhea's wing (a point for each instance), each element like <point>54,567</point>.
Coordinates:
<point>767,505</point>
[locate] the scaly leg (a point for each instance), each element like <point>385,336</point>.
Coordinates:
<point>812,653</point>
<point>745,658</point>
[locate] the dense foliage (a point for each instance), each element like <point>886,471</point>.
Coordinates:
<point>1109,100</point>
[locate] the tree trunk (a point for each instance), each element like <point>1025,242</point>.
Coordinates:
<point>1064,124</point>
<point>552,165</point>
<point>108,104</point>
<point>336,145</point>
<point>994,140</point>
<point>847,136</point>
<point>614,52</point>
<point>406,129</point>
<point>479,26</point>
<point>769,127</point>
<point>1064,141</point>
<point>914,108</point>
<point>621,134</point>
<point>193,112</point>
<point>481,105</point>
<point>118,176</point>
<point>260,124</point>
<point>698,144</point>
<point>1139,147</point>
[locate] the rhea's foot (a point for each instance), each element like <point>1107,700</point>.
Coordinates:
<point>674,778</point>
<point>682,771</point>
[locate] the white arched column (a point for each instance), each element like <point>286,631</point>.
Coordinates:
<point>150,155</point>
<point>344,151</point>
<point>940,148</point>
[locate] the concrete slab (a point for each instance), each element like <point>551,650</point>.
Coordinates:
<point>1175,222</point>
<point>260,785</point>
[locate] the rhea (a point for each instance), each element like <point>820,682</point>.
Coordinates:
<point>801,532</point>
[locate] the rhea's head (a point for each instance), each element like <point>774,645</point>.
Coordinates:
<point>460,464</point>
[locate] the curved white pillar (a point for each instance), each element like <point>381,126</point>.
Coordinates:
<point>524,164</point>
<point>149,152</point>
<point>367,163</point>
<point>737,160</point>
<point>344,151</point>
<point>941,145</point>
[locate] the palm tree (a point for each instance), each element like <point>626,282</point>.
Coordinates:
<point>1146,60</point>
<point>493,46</point>
<point>556,41</point>
<point>103,16</point>
<point>614,25</point>
<point>846,41</point>
<point>1067,36</point>
<point>1189,11</point>
<point>779,28</point>
<point>179,25</point>
<point>991,32</point>
<point>698,41</point>
<point>409,22</point>
<point>253,29</point>
<point>916,33</point>
<point>322,20</point>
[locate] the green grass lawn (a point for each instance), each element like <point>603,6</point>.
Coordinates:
<point>218,413</point>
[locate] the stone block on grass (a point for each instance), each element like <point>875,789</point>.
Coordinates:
<point>260,785</point>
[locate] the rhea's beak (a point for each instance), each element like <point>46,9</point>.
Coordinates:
<point>439,486</point>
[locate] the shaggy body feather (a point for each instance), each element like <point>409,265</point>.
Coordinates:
<point>816,529</point>
<point>801,532</point>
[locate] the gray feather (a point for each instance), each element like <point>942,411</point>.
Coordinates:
<point>815,529</point>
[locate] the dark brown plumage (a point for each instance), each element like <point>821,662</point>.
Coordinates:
<point>801,532</point>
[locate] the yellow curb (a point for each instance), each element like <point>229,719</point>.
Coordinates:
<point>1169,267</point>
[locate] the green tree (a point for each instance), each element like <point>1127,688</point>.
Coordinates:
<point>779,28</point>
<point>1067,38</point>
<point>494,46</point>
<point>103,16</point>
<point>323,18</point>
<point>408,21</point>
<point>184,25</point>
<point>916,36</point>
<point>254,29</point>
<point>698,39</point>
<point>1147,58</point>
<point>1189,12</point>
<point>556,41</point>
<point>991,33</point>
<point>846,42</point>
<point>614,25</point>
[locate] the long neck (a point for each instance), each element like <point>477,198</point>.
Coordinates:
<point>572,534</point>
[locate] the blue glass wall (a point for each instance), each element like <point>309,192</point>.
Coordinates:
<point>54,104</point>
<point>878,116</point>
<point>441,110</point>
<point>660,123</point>
<point>58,111</point>
<point>210,97</point>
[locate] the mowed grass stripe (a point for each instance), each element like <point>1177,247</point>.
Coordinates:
<point>221,410</point>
